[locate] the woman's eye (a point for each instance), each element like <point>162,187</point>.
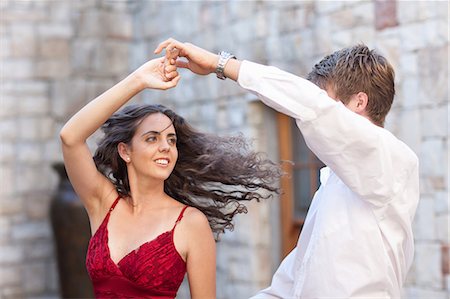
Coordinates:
<point>172,141</point>
<point>151,139</point>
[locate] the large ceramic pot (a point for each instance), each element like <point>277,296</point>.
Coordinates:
<point>72,233</point>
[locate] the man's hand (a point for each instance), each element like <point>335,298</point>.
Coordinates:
<point>199,61</point>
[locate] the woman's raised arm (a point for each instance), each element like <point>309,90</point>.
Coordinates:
<point>90,185</point>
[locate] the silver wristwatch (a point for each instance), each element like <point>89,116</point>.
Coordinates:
<point>223,59</point>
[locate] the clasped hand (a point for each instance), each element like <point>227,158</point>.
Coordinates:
<point>161,73</point>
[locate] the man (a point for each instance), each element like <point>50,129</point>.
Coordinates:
<point>357,237</point>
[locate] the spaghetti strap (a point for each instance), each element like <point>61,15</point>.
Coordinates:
<point>180,216</point>
<point>114,204</point>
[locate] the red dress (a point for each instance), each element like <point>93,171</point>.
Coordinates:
<point>154,270</point>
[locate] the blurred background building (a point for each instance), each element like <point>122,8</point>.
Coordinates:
<point>55,56</point>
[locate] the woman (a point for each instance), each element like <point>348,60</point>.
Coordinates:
<point>154,191</point>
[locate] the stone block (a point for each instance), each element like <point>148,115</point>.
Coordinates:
<point>52,151</point>
<point>119,25</point>
<point>436,32</point>
<point>11,254</point>
<point>31,230</point>
<point>13,69</point>
<point>428,260</point>
<point>28,128</point>
<point>33,105</point>
<point>424,225</point>
<point>8,129</point>
<point>8,106</point>
<point>29,152</point>
<point>4,229</point>
<point>9,275</point>
<point>434,121</point>
<point>30,178</point>
<point>55,30</point>
<point>54,48</point>
<point>327,7</point>
<point>13,292</point>
<point>385,14</point>
<point>61,12</point>
<point>435,153</point>
<point>410,128</point>
<point>37,207</point>
<point>236,114</point>
<point>410,92</point>
<point>5,46</point>
<point>408,64</point>
<point>53,69</point>
<point>23,40</point>
<point>433,79</point>
<point>46,128</point>
<point>52,277</point>
<point>412,36</point>
<point>442,227</point>
<point>34,275</point>
<point>442,204</point>
<point>10,205</point>
<point>67,97</point>
<point>422,293</point>
<point>39,250</point>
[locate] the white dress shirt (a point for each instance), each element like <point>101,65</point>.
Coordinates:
<point>357,239</point>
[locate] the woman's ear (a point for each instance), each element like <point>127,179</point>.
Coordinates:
<point>124,152</point>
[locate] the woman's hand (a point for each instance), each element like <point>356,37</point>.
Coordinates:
<point>199,61</point>
<point>157,74</point>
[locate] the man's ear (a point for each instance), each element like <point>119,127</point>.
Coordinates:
<point>124,151</point>
<point>358,103</point>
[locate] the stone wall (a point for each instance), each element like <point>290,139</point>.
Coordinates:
<point>57,55</point>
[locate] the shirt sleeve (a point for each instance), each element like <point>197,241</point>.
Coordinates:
<point>367,158</point>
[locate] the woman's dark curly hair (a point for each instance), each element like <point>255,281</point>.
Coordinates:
<point>212,174</point>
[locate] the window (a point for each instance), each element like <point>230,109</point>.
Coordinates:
<point>300,182</point>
